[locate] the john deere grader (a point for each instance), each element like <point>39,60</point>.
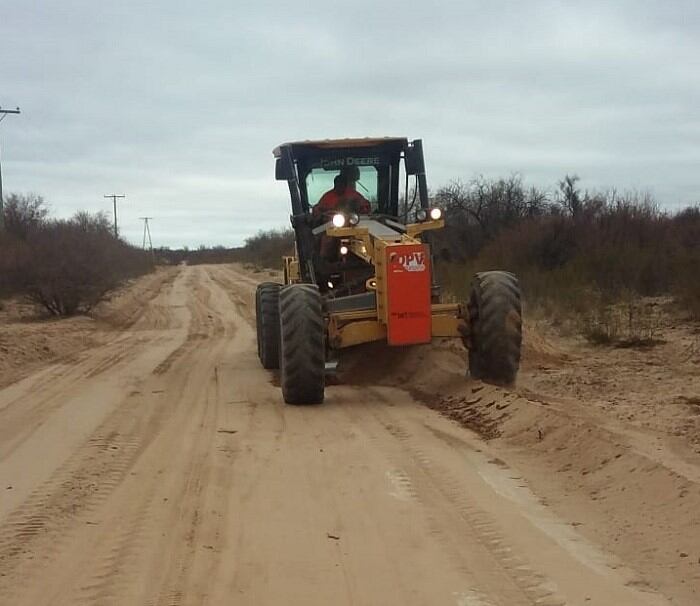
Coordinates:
<point>362,269</point>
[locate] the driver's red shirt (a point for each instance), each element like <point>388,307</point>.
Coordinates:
<point>331,199</point>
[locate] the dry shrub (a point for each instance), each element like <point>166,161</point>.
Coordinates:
<point>75,263</point>
<point>479,210</point>
<point>582,256</point>
<point>65,266</point>
<point>24,213</point>
<point>634,322</point>
<point>14,255</point>
<point>454,280</point>
<point>686,286</point>
<point>267,248</point>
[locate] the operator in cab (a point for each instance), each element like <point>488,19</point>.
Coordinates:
<point>343,196</point>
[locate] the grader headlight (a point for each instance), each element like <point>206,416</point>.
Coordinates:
<point>436,214</point>
<point>339,220</point>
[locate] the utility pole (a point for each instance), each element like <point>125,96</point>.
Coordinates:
<point>114,199</point>
<point>3,115</point>
<point>147,232</point>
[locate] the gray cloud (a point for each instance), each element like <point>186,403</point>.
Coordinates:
<point>179,105</point>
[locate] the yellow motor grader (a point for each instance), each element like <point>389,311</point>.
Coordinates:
<point>362,270</point>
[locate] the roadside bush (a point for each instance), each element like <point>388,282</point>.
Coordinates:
<point>631,322</point>
<point>580,254</point>
<point>686,285</point>
<point>267,248</point>
<point>23,214</point>
<point>685,231</point>
<point>65,266</point>
<point>263,250</point>
<point>477,211</point>
<point>74,263</point>
<point>14,255</point>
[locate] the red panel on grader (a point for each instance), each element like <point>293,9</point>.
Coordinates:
<point>409,319</point>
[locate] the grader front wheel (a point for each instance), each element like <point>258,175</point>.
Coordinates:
<point>302,344</point>
<point>495,316</point>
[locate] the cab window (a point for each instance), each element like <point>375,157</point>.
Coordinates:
<point>320,180</point>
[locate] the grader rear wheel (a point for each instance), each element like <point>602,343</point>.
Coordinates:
<point>267,321</point>
<point>496,327</point>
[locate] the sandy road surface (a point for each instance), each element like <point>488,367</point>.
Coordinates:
<point>163,468</point>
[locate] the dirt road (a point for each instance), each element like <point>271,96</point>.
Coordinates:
<point>163,468</point>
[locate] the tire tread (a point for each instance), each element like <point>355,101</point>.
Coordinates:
<point>495,311</point>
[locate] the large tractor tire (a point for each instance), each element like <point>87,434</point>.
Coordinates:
<point>302,344</point>
<point>495,316</point>
<point>267,319</point>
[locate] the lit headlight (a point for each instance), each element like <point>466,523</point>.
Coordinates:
<point>339,220</point>
<point>421,214</point>
<point>435,213</point>
<point>354,219</point>
<point>343,250</point>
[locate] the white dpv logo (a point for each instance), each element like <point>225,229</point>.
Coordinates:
<point>414,261</point>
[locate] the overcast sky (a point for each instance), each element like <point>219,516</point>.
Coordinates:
<point>179,104</point>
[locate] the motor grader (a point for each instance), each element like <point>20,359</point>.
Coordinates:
<point>358,277</point>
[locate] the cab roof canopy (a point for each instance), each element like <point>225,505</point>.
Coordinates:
<point>327,144</point>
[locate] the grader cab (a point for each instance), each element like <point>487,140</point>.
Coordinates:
<point>362,269</point>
